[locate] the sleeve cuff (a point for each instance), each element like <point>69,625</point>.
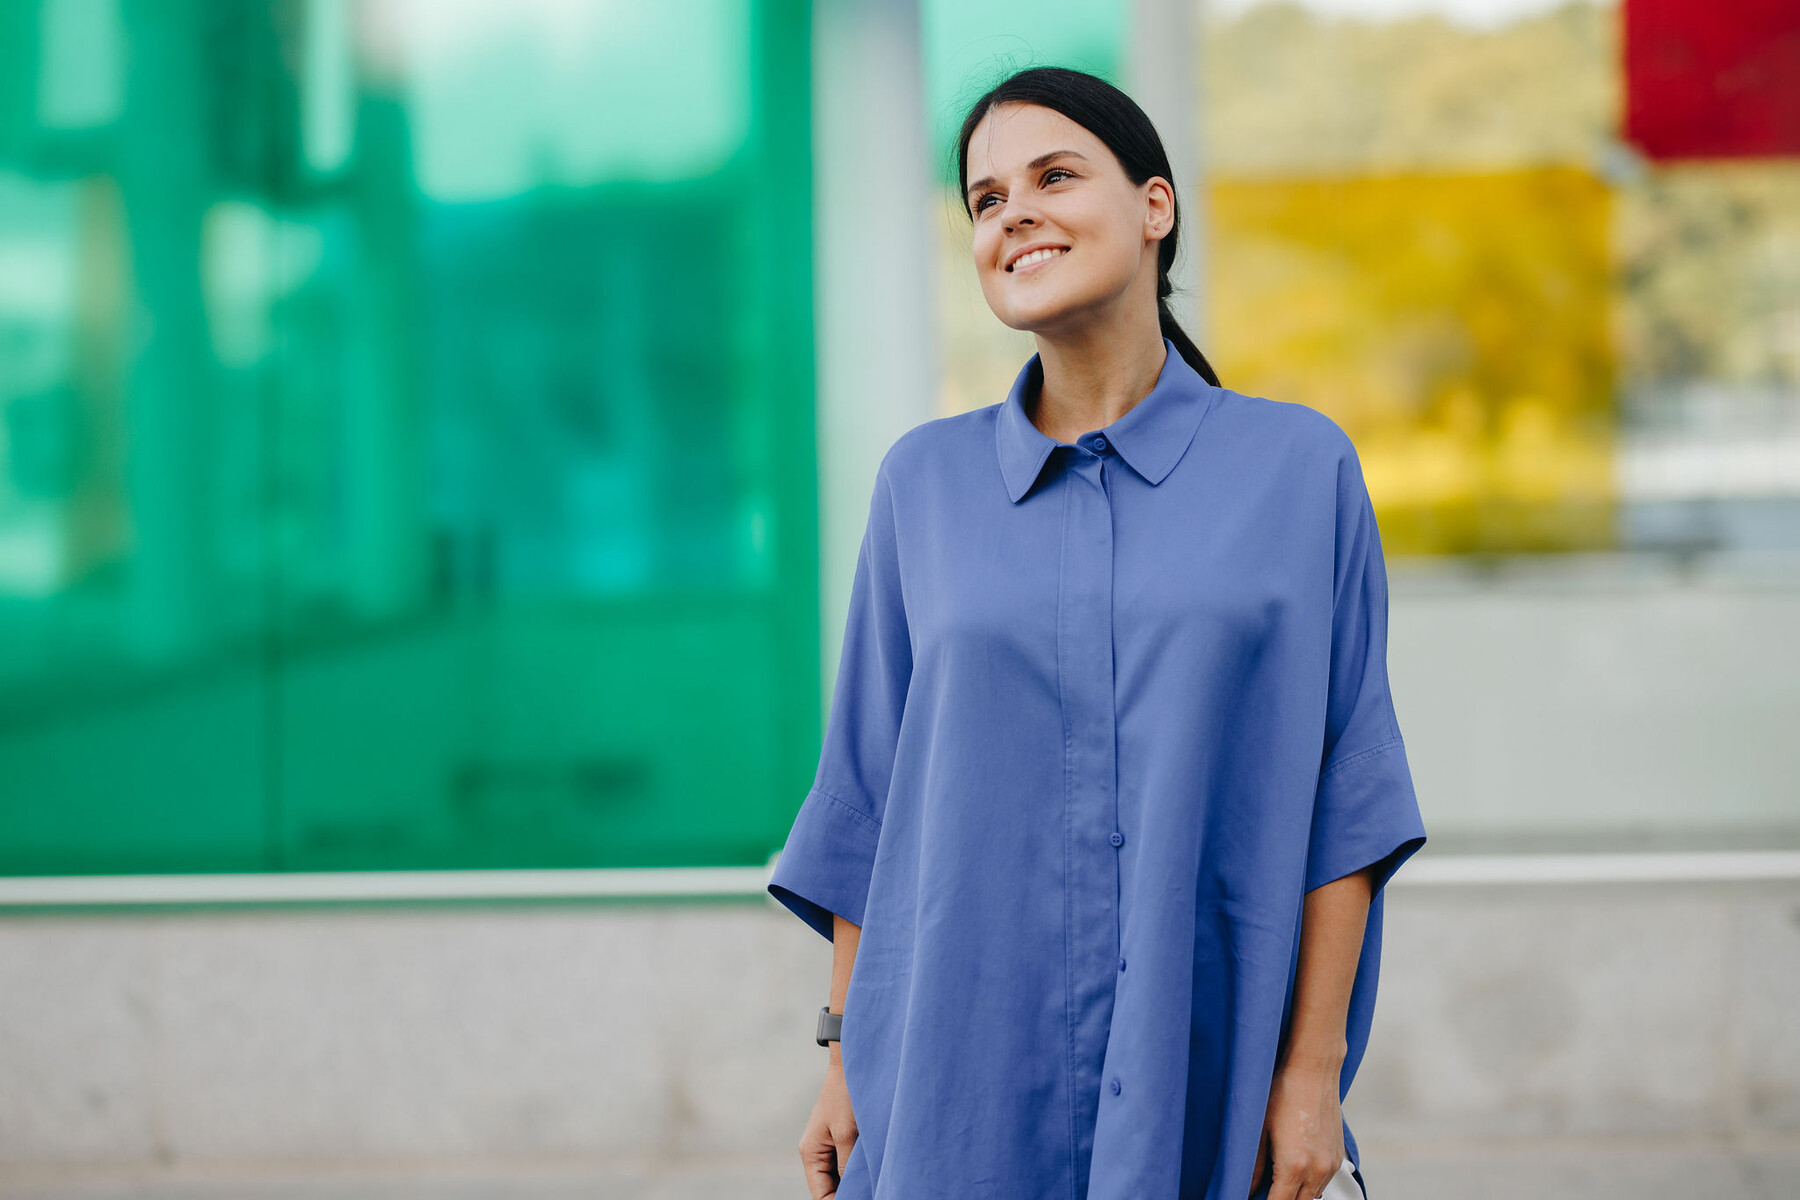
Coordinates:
<point>825,866</point>
<point>1366,813</point>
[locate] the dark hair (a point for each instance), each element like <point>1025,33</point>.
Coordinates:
<point>1115,118</point>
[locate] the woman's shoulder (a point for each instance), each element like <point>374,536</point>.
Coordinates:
<point>1291,418</point>
<point>1284,429</point>
<point>930,447</point>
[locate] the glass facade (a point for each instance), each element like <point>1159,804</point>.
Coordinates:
<point>407,434</point>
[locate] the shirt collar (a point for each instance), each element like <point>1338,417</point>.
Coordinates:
<point>1151,437</point>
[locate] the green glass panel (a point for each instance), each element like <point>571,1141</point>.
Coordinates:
<point>406,434</point>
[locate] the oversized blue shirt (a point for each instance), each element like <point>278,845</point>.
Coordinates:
<point>1105,712</point>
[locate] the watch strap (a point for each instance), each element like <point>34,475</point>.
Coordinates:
<point>830,1026</point>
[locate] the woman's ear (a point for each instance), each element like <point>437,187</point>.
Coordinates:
<point>1159,214</point>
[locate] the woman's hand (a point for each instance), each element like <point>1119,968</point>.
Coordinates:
<point>1303,1132</point>
<point>825,1146</point>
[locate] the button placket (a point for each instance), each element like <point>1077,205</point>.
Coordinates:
<point>1085,647</point>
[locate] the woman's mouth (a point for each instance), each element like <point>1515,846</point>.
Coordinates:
<point>1036,259</point>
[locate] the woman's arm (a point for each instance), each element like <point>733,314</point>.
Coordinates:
<point>1303,1136</point>
<point>831,1132</point>
<point>1331,936</point>
<point>844,939</point>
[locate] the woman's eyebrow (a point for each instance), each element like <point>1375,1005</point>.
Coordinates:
<point>1034,164</point>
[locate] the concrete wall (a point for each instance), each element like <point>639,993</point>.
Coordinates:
<point>1598,1009</point>
<point>683,1031</point>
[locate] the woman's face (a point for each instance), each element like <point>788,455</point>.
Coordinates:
<point>1037,179</point>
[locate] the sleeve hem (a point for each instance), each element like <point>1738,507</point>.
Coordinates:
<point>1365,817</point>
<point>824,868</point>
<point>1386,865</point>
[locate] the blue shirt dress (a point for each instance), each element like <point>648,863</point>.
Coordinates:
<point>1105,712</point>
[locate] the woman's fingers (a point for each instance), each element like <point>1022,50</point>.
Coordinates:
<point>830,1134</point>
<point>1299,1179</point>
<point>1288,1184</point>
<point>818,1158</point>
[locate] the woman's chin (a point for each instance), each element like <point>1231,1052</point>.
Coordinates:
<point>1039,315</point>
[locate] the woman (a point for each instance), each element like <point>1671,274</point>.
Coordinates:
<point>1112,778</point>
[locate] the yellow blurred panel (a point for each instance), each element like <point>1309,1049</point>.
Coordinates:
<point>1456,326</point>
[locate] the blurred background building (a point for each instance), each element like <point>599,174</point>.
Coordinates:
<point>435,437</point>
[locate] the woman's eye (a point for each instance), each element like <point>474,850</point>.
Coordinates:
<point>981,201</point>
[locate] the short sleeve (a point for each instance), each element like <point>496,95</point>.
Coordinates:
<point>1365,811</point>
<point>829,857</point>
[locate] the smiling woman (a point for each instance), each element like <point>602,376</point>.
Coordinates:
<point>1112,781</point>
<point>1094,197</point>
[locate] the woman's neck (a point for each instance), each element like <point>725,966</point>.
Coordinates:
<point>1090,383</point>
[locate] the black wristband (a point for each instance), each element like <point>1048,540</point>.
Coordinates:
<point>830,1026</point>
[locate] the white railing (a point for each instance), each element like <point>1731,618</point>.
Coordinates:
<point>744,882</point>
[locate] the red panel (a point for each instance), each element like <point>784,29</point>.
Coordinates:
<point>1712,78</point>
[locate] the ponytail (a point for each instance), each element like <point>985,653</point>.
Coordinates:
<point>1171,329</point>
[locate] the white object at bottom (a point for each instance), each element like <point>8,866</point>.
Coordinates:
<point>1343,1185</point>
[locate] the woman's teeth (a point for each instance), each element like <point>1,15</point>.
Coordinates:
<point>1037,256</point>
